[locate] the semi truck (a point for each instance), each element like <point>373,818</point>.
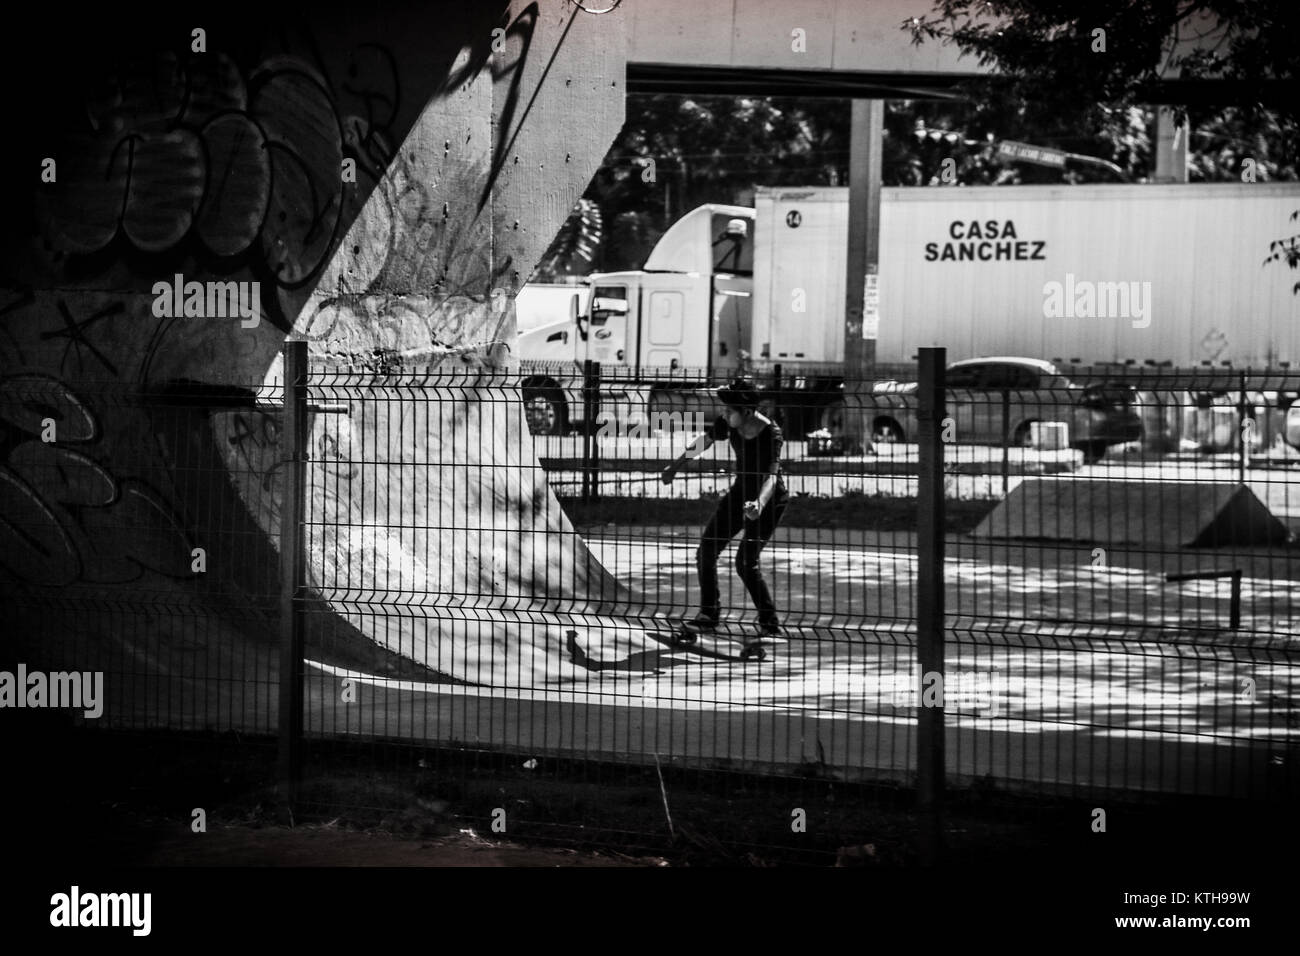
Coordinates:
<point>1086,275</point>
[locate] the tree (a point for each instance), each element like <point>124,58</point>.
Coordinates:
<point>1051,88</point>
<point>1287,249</point>
<point>1089,64</point>
<point>1079,58</point>
<point>574,248</point>
<point>676,152</point>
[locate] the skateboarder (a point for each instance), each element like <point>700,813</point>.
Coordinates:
<point>754,504</point>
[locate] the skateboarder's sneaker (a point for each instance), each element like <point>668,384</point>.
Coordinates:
<point>770,628</point>
<point>702,623</point>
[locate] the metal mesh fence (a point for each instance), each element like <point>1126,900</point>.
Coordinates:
<point>495,574</point>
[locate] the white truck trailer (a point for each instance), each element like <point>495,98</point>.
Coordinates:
<point>1080,275</point>
<point>1169,275</point>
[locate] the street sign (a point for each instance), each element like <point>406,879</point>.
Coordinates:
<point>1024,152</point>
<point>871,304</point>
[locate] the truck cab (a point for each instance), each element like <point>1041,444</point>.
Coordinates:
<point>689,308</point>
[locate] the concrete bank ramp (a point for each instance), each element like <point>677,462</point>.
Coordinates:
<point>1107,511</point>
<point>431,529</point>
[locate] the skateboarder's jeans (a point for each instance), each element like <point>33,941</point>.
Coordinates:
<point>726,522</point>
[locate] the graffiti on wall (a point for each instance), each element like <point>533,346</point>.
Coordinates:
<point>62,509</point>
<point>358,188</point>
<point>187,154</point>
<point>189,158</point>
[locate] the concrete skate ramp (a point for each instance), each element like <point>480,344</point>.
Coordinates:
<point>388,175</point>
<point>1172,514</point>
<point>432,531</point>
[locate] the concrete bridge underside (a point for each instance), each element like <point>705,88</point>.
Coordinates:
<point>381,177</point>
<point>388,175</point>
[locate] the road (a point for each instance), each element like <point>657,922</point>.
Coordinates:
<point>630,467</point>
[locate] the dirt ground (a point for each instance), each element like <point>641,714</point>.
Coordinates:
<point>172,844</point>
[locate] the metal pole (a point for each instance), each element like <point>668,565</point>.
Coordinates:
<point>590,409</point>
<point>1006,438</point>
<point>791,414</point>
<point>293,437</point>
<point>1243,447</point>
<point>586,430</point>
<point>866,133</point>
<point>1234,601</point>
<point>595,434</point>
<point>1171,147</point>
<point>929,599</point>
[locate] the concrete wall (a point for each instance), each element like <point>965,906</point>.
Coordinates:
<point>222,155</point>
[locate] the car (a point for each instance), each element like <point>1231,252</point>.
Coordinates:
<point>1291,425</point>
<point>997,399</point>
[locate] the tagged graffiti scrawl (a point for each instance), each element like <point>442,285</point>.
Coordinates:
<point>61,511</point>
<point>248,171</point>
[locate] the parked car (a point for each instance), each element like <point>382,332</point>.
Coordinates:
<point>1291,426</point>
<point>997,399</point>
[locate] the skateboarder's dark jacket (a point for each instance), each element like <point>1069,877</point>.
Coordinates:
<point>754,458</point>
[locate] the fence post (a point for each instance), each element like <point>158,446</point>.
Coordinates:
<point>1243,446</point>
<point>293,438</point>
<point>590,443</point>
<point>1006,439</point>
<point>787,416</point>
<point>1234,599</point>
<point>595,435</point>
<point>929,600</point>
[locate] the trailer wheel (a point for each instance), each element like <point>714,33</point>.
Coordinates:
<point>886,431</point>
<point>545,411</point>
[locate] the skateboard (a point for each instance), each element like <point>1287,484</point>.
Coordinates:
<point>726,642</point>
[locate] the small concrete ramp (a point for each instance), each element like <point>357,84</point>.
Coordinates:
<point>1175,514</point>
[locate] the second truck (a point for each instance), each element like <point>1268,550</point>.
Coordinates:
<point>1097,276</point>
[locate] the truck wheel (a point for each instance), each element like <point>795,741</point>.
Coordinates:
<point>886,431</point>
<point>1093,451</point>
<point>544,409</point>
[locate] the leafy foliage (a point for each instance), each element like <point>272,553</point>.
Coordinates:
<point>574,249</point>
<point>1075,58</point>
<point>1090,65</point>
<point>1052,89</point>
<point>1287,249</point>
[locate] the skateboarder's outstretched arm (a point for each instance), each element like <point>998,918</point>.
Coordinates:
<point>702,443</point>
<point>754,508</point>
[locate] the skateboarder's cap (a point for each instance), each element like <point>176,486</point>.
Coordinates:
<point>739,393</point>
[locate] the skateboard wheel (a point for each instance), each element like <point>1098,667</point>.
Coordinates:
<point>686,639</point>
<point>753,653</point>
